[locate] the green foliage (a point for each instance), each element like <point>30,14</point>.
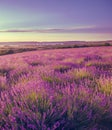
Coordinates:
<point>51,79</point>
<point>105,86</point>
<point>80,73</point>
<point>8,109</point>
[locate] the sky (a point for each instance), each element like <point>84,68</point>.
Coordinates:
<point>55,20</point>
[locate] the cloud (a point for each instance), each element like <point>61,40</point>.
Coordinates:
<point>80,29</point>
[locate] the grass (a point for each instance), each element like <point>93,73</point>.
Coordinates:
<point>105,86</point>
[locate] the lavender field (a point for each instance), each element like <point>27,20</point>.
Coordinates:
<point>61,89</point>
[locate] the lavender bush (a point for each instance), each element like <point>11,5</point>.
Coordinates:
<point>68,89</point>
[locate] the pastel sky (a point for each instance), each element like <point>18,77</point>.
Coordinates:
<point>55,20</point>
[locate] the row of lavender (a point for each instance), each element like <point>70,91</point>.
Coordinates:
<point>68,89</point>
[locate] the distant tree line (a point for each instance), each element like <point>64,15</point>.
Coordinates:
<point>107,44</point>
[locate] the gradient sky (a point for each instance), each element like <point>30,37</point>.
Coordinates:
<point>55,20</point>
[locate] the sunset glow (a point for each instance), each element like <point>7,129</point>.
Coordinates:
<point>55,20</point>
